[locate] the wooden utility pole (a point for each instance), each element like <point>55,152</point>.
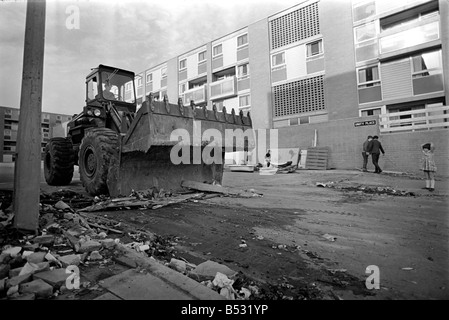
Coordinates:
<point>27,172</point>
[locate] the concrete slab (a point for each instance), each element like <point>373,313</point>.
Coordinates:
<point>55,278</point>
<point>178,280</point>
<point>133,285</point>
<point>107,296</point>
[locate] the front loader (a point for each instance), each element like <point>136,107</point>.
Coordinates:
<point>119,150</point>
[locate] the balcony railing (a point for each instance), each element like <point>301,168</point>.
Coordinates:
<point>223,88</point>
<point>198,95</point>
<point>421,119</point>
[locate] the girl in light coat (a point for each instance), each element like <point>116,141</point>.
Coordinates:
<point>428,165</point>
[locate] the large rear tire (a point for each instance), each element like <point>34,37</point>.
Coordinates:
<point>59,160</point>
<point>98,149</point>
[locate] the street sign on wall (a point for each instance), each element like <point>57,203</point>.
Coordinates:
<point>365,123</point>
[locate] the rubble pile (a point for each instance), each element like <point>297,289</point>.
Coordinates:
<point>367,189</point>
<point>39,266</point>
<point>35,266</point>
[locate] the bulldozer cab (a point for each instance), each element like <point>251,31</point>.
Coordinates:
<point>111,85</point>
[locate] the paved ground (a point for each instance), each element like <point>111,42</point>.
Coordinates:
<point>391,232</point>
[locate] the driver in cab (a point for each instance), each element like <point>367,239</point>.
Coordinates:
<point>107,94</point>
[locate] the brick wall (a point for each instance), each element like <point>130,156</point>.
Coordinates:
<point>404,150</point>
<point>345,141</point>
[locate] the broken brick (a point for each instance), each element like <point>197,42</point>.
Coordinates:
<point>108,243</point>
<point>18,280</point>
<point>13,252</point>
<point>89,246</point>
<point>45,240</point>
<point>72,259</point>
<point>36,257</point>
<point>39,287</point>
<point>95,255</point>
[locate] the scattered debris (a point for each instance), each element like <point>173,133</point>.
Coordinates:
<point>329,237</point>
<point>140,203</point>
<point>208,270</point>
<point>178,265</point>
<point>366,189</point>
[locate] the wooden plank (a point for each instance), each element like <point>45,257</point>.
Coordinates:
<point>27,169</point>
<point>317,157</point>
<point>215,189</point>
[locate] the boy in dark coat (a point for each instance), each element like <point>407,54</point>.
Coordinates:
<point>375,148</point>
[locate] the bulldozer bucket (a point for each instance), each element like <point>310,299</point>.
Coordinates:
<point>168,143</point>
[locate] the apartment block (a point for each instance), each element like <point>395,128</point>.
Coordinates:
<point>52,125</point>
<point>330,72</point>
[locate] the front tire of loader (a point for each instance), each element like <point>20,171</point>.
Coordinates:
<point>98,149</point>
<point>59,160</point>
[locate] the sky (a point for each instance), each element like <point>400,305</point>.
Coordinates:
<point>132,35</point>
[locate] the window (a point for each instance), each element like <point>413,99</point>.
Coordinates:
<point>365,38</point>
<point>365,32</point>
<point>7,132</point>
<point>217,50</point>
<point>427,64</point>
<point>149,78</point>
<point>164,72</point>
<point>139,81</point>
<point>315,48</point>
<point>370,112</point>
<point>409,17</point>
<point>182,64</point>
<point>242,40</point>
<point>244,101</point>
<point>58,117</point>
<point>92,89</point>
<point>182,88</point>
<point>201,56</point>
<point>368,77</point>
<point>363,10</point>
<point>128,86</point>
<point>8,111</point>
<point>278,59</point>
<point>243,70</point>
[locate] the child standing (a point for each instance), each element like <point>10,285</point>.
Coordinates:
<point>428,165</point>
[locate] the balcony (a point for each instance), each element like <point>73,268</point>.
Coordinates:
<point>421,119</point>
<point>410,37</point>
<point>224,88</point>
<point>198,95</point>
